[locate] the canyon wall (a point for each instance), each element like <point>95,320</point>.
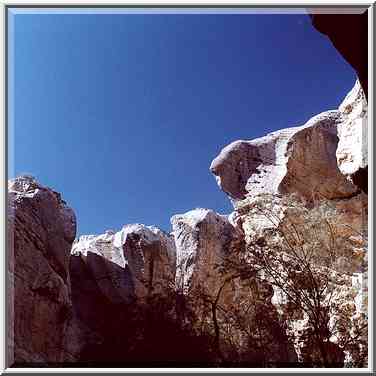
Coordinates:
<point>41,229</point>
<point>282,186</point>
<point>219,289</point>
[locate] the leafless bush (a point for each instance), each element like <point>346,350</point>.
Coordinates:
<point>304,252</point>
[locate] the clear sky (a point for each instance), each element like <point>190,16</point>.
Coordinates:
<point>123,113</point>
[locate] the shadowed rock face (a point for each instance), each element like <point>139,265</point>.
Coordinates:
<point>64,300</point>
<point>348,33</point>
<point>111,276</point>
<point>41,229</point>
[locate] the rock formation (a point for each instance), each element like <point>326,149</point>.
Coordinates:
<point>205,244</point>
<point>60,297</point>
<point>131,264</point>
<point>203,240</point>
<point>281,280</point>
<point>112,276</point>
<point>325,162</point>
<point>300,160</point>
<point>41,229</point>
<point>352,153</point>
<point>109,299</point>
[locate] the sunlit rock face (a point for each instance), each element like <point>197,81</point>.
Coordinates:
<point>324,161</point>
<point>41,229</point>
<point>202,239</point>
<point>352,153</point>
<point>206,242</point>
<point>127,265</point>
<point>313,160</point>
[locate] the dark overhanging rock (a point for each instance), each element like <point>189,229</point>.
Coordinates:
<point>348,33</point>
<point>360,178</point>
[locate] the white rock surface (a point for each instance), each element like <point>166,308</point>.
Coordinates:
<point>132,262</point>
<point>324,159</point>
<point>201,237</point>
<point>300,160</point>
<point>352,151</point>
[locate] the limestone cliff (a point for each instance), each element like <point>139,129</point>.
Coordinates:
<point>207,245</point>
<point>130,264</point>
<point>302,159</point>
<point>281,280</point>
<point>41,229</point>
<point>323,164</point>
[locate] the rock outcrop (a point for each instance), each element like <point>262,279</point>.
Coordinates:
<point>206,244</point>
<point>322,164</point>
<point>41,229</point>
<point>112,276</point>
<point>203,239</point>
<point>352,153</point>
<point>128,265</point>
<point>281,280</point>
<point>301,160</point>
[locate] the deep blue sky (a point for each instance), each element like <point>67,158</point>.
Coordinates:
<point>123,114</point>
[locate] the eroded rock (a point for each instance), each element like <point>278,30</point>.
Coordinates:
<point>41,229</point>
<point>119,292</point>
<point>314,160</point>
<point>233,307</point>
<point>323,165</point>
<point>127,265</point>
<point>202,239</point>
<point>352,151</point>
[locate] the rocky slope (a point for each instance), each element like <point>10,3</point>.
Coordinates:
<point>212,288</point>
